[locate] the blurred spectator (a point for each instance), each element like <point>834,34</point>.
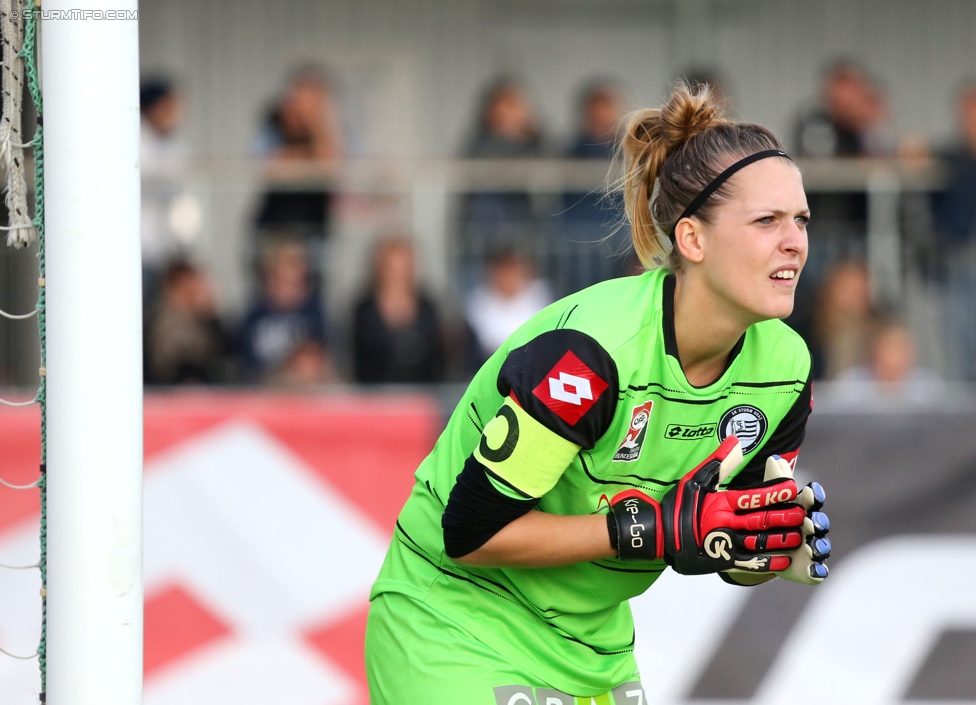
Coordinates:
<point>396,331</point>
<point>507,125</point>
<point>303,126</point>
<point>286,315</point>
<point>955,206</point>
<point>601,105</point>
<point>583,249</point>
<point>185,342</point>
<point>954,215</point>
<point>891,372</point>
<point>511,294</point>
<point>842,320</point>
<point>307,365</point>
<point>507,128</point>
<point>851,119</point>
<point>164,164</point>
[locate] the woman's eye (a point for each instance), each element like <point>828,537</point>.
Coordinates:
<point>803,219</point>
<point>766,220</point>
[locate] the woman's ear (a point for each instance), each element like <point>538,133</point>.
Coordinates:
<point>688,239</point>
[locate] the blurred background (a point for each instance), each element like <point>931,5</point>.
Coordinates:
<point>347,206</point>
<point>326,181</point>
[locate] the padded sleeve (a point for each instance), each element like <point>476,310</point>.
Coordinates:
<point>516,462</point>
<point>566,381</point>
<point>560,393</point>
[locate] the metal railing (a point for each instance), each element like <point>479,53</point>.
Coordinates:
<point>425,194</point>
<point>430,198</point>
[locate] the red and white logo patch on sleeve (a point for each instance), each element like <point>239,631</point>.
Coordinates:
<point>570,388</point>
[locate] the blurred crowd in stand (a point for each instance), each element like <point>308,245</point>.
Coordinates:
<point>514,252</point>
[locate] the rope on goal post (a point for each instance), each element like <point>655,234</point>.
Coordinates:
<point>18,33</point>
<point>20,231</point>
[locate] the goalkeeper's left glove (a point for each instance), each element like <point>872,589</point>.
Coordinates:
<point>698,528</point>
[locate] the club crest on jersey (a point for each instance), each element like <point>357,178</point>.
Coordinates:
<point>745,422</point>
<point>630,449</point>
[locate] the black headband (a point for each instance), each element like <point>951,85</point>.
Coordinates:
<point>715,183</point>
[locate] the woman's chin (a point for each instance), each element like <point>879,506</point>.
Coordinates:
<point>770,312</point>
<point>783,311</point>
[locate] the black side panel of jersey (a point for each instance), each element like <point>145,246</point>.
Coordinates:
<point>565,380</point>
<point>787,437</point>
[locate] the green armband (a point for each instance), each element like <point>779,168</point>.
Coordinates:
<point>523,452</point>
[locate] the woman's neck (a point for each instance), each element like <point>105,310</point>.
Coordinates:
<point>705,332</point>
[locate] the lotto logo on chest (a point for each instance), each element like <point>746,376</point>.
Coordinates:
<point>684,432</point>
<point>570,389</point>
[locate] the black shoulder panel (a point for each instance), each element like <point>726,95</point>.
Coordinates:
<point>565,380</point>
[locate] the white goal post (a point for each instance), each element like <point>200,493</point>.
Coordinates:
<point>90,83</point>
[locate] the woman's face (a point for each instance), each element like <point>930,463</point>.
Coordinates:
<point>756,245</point>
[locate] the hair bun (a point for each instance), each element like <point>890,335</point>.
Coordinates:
<point>688,113</point>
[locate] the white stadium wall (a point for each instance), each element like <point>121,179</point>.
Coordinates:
<point>412,70</point>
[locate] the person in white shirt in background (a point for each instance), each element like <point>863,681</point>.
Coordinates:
<point>510,295</point>
<point>891,374</point>
<point>170,215</point>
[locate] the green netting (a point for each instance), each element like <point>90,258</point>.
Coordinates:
<point>29,54</point>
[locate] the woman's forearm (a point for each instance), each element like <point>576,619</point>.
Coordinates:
<point>539,539</point>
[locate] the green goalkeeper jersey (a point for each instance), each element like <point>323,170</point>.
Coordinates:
<point>596,373</point>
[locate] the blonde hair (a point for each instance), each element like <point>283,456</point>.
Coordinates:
<point>670,155</point>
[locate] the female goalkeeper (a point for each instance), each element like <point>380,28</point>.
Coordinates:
<point>599,445</point>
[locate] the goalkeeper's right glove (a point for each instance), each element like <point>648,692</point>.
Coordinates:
<point>698,529</point>
<point>806,560</point>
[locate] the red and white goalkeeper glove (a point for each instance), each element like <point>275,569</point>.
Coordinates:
<point>806,560</point>
<point>699,529</point>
